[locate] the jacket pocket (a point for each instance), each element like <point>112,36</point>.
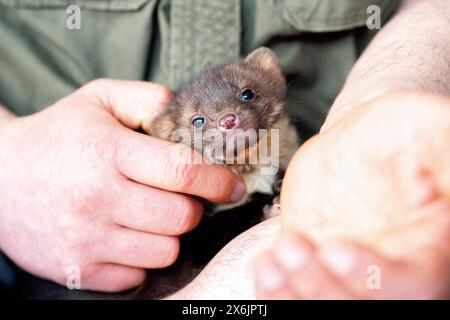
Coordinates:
<point>44,57</point>
<point>329,15</point>
<point>99,5</point>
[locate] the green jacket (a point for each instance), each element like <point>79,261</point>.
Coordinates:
<point>170,41</point>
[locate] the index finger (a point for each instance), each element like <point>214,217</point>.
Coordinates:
<point>174,167</point>
<point>133,103</point>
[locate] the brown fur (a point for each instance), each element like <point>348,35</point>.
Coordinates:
<point>216,93</point>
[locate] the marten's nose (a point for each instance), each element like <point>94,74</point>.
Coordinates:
<point>228,121</point>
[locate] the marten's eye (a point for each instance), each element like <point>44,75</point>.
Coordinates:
<point>246,95</point>
<point>198,122</point>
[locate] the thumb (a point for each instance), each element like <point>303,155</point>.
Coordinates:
<point>134,103</point>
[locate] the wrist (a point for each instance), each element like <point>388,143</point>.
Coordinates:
<point>353,96</point>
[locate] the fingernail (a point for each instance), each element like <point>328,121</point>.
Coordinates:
<point>270,276</point>
<point>292,255</point>
<point>339,260</point>
<point>238,192</point>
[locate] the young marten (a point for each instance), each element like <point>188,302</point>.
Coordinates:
<point>227,102</point>
<point>245,94</point>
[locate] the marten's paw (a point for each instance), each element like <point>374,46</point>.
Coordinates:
<point>272,210</point>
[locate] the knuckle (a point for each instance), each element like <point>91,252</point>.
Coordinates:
<point>78,250</point>
<point>105,152</point>
<point>227,181</point>
<point>97,83</point>
<point>185,176</point>
<point>185,216</point>
<point>164,93</point>
<point>95,86</point>
<point>70,236</point>
<point>91,201</point>
<point>88,207</point>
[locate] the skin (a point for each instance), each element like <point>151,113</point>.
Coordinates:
<point>400,144</point>
<point>408,52</point>
<point>322,253</point>
<point>230,274</point>
<point>80,188</point>
<point>387,207</point>
<point>364,140</point>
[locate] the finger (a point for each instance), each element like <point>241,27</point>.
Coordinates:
<point>423,275</point>
<point>305,273</point>
<point>134,103</point>
<point>174,167</point>
<point>270,281</point>
<point>139,249</point>
<point>113,278</point>
<point>157,211</point>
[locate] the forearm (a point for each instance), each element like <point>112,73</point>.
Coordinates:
<point>5,115</point>
<point>411,51</point>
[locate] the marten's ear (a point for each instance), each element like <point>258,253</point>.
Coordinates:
<point>264,58</point>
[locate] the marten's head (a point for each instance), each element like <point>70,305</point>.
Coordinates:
<point>245,94</point>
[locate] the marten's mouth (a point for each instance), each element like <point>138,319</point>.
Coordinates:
<point>241,157</point>
<point>232,147</point>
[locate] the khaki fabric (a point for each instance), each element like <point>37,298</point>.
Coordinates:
<point>171,41</point>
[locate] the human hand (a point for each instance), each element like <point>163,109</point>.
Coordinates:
<point>78,188</point>
<point>371,191</point>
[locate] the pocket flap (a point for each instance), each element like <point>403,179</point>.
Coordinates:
<point>330,15</point>
<point>97,5</point>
